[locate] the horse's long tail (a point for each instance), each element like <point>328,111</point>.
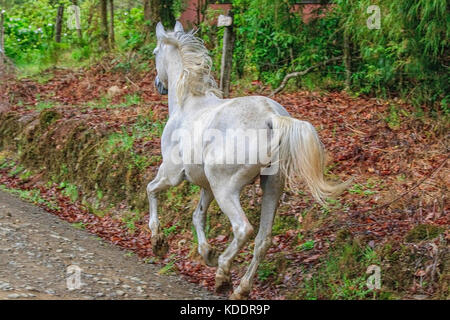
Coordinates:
<point>302,157</point>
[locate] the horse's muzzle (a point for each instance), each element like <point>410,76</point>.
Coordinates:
<point>160,86</point>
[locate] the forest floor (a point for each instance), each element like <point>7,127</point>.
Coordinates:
<point>395,215</point>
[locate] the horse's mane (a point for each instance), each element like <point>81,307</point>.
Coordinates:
<point>196,77</point>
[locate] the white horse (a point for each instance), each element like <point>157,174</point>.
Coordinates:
<point>195,110</point>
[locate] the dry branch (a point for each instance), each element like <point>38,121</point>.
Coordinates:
<point>432,173</point>
<point>301,73</point>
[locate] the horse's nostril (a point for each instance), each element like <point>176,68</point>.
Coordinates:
<point>160,86</point>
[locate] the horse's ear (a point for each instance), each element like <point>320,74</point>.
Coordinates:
<point>160,32</point>
<point>178,27</point>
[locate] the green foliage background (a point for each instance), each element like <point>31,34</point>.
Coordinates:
<point>407,57</point>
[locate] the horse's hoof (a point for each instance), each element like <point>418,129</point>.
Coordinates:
<point>212,258</point>
<point>223,284</point>
<point>159,245</point>
<point>239,295</point>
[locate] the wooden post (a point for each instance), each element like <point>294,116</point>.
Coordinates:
<point>227,52</point>
<point>58,24</point>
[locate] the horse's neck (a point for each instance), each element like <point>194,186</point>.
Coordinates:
<point>175,68</point>
<point>172,95</point>
<point>190,103</point>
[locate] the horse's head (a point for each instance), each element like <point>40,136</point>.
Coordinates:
<point>161,57</point>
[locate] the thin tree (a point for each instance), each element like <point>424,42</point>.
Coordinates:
<point>149,19</point>
<point>158,10</point>
<point>2,37</point>
<point>58,24</point>
<point>111,24</point>
<point>202,6</point>
<point>152,13</point>
<point>347,59</point>
<point>104,23</point>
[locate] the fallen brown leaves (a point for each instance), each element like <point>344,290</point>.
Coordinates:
<point>385,162</point>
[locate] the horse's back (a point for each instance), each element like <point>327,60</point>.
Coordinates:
<point>251,112</point>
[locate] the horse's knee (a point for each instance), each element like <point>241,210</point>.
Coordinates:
<point>151,188</point>
<point>262,244</point>
<point>243,232</point>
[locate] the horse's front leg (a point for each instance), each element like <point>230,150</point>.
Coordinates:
<point>162,182</point>
<point>208,253</point>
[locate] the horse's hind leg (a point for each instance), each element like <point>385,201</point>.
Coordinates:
<point>199,220</point>
<point>228,200</point>
<point>272,187</point>
<point>160,183</point>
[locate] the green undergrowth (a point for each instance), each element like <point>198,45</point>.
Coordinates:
<point>341,273</point>
<point>344,272</point>
<point>105,102</point>
<point>33,195</point>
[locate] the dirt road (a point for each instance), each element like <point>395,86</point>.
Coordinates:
<point>43,257</point>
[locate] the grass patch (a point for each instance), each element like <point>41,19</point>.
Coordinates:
<point>79,225</point>
<point>33,196</point>
<point>169,267</point>
<point>266,269</point>
<point>105,102</point>
<point>168,231</point>
<point>69,190</point>
<point>341,274</point>
<point>308,245</point>
<point>363,189</point>
<point>130,219</point>
<point>44,105</point>
<point>423,232</point>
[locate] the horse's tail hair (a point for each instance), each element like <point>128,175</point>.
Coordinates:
<point>302,157</point>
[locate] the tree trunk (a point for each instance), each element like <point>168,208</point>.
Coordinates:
<point>111,24</point>
<point>166,13</point>
<point>347,60</point>
<point>2,37</point>
<point>58,24</point>
<point>158,10</point>
<point>152,16</point>
<point>147,18</point>
<point>155,9</point>
<point>202,6</point>
<point>104,23</point>
<point>89,27</point>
